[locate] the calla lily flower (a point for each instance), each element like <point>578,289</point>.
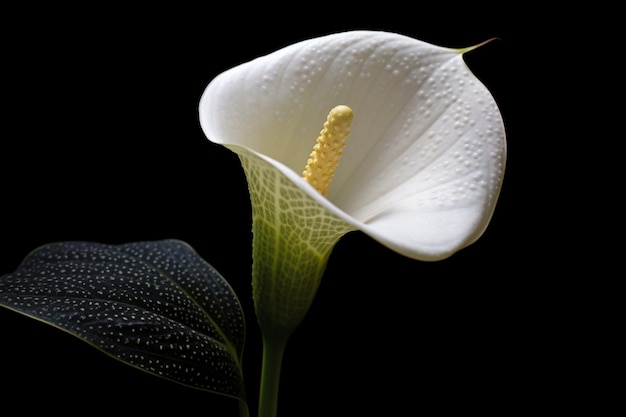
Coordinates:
<point>421,171</point>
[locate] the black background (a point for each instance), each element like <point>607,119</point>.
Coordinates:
<point>101,142</point>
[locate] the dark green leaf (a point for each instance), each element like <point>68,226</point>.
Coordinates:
<point>156,306</point>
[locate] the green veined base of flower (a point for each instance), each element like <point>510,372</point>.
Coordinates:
<point>293,236</point>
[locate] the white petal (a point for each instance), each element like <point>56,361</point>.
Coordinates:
<point>423,166</point>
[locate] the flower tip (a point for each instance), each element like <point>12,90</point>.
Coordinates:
<point>471,48</point>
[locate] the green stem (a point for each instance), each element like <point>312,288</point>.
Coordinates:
<point>273,348</point>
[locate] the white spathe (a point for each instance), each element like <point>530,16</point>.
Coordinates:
<point>423,166</point>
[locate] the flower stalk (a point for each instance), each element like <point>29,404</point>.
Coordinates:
<point>273,348</point>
